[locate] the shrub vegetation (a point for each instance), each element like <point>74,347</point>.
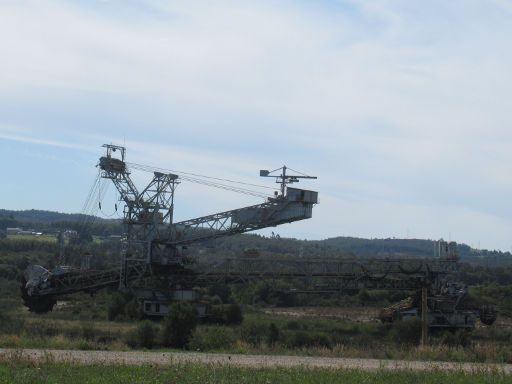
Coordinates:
<point>179,325</point>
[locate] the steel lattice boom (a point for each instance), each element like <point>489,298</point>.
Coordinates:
<point>154,243</point>
<point>153,238</point>
<point>152,252</point>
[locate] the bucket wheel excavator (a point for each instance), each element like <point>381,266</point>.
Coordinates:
<point>154,243</point>
<point>154,267</point>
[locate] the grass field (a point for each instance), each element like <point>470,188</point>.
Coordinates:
<point>47,238</point>
<point>49,372</point>
<point>86,330</point>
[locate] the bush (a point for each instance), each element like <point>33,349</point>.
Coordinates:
<point>88,331</point>
<point>85,346</point>
<point>234,314</point>
<point>144,335</point>
<point>11,325</point>
<point>300,339</point>
<point>285,299</point>
<point>41,329</point>
<point>221,291</point>
<point>363,296</point>
<point>292,325</point>
<point>132,309</point>
<point>254,331</point>
<point>406,331</point>
<point>123,306</point>
<point>116,306</point>
<point>216,300</point>
<point>179,325</point>
<point>460,338</point>
<point>273,334</point>
<point>212,338</point>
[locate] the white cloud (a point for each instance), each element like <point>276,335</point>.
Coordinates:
<point>23,135</point>
<point>391,102</point>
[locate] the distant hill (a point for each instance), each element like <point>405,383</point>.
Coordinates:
<point>413,247</point>
<point>382,247</point>
<point>51,222</point>
<point>265,246</point>
<point>40,216</point>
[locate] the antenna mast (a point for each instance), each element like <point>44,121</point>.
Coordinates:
<point>283,179</point>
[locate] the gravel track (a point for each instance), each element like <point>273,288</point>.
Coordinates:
<point>254,361</point>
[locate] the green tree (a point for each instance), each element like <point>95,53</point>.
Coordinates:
<point>406,332</point>
<point>234,315</point>
<point>273,334</point>
<point>179,325</point>
<point>116,305</point>
<point>146,334</point>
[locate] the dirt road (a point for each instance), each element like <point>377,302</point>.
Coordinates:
<point>168,358</point>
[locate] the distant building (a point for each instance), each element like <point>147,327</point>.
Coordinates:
<point>69,233</point>
<point>13,231</point>
<point>30,233</point>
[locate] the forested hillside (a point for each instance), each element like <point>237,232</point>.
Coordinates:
<point>254,245</point>
<point>40,216</point>
<point>52,222</point>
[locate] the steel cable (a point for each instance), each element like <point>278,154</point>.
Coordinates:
<point>209,183</point>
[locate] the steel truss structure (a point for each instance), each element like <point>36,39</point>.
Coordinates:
<point>327,275</point>
<point>153,241</point>
<point>154,268</point>
<point>310,276</point>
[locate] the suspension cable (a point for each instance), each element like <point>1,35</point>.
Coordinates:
<point>209,182</point>
<point>300,173</point>
<point>88,208</point>
<point>146,167</point>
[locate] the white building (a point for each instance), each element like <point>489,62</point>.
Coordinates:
<point>13,231</point>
